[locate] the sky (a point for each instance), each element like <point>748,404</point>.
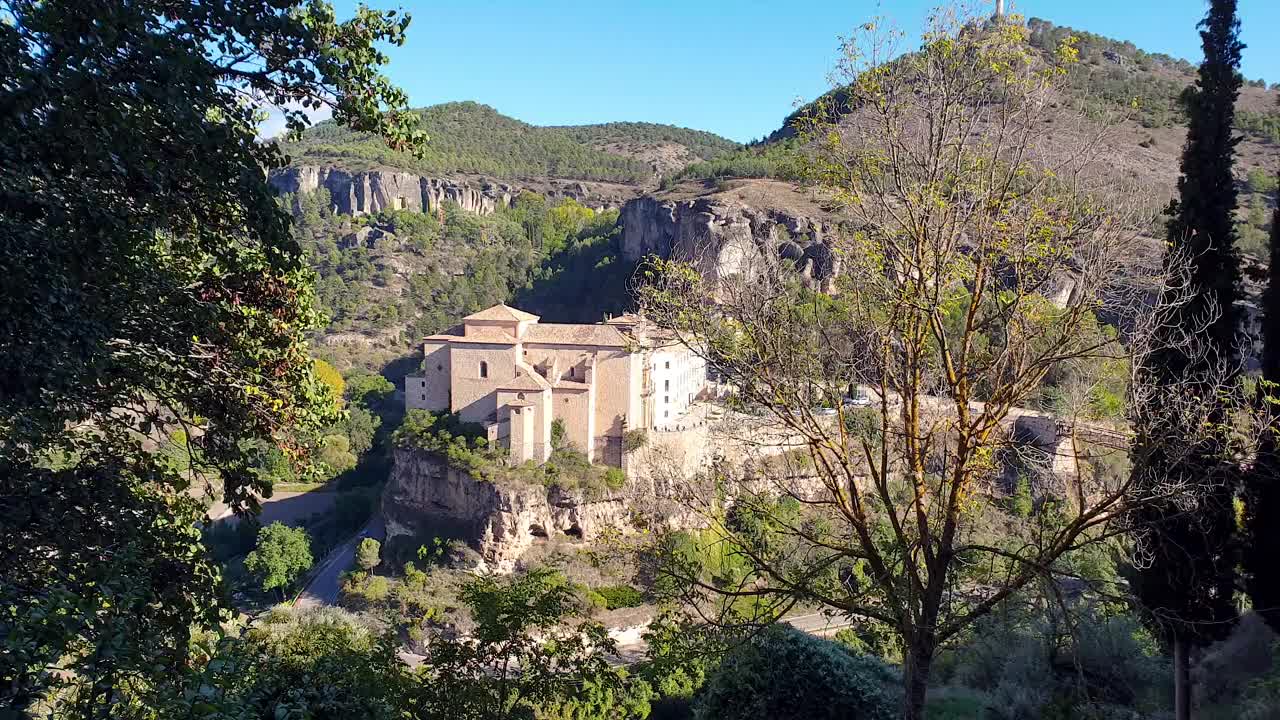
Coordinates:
<point>733,68</point>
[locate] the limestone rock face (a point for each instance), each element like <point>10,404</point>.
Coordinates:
<point>360,193</point>
<point>425,496</point>
<point>721,237</point>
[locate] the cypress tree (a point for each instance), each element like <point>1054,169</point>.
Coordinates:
<point>1262,484</point>
<point>1185,543</point>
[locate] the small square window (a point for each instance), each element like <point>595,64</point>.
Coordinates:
<point>666,413</point>
<point>666,384</point>
<point>668,365</point>
<point>666,398</point>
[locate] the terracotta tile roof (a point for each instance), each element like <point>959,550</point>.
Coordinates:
<point>555,334</point>
<point>502,312</point>
<point>487,335</point>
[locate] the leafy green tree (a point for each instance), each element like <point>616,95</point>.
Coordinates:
<point>368,554</point>
<point>322,665</point>
<point>335,453</point>
<point>822,679</point>
<point>1184,544</point>
<point>147,265</point>
<point>521,657</point>
<point>946,309</point>
<point>1262,483</point>
<point>361,427</point>
<point>369,390</point>
<point>1260,181</point>
<point>282,555</point>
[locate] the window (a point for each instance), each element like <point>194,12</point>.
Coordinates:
<point>668,365</point>
<point>666,413</point>
<point>519,396</point>
<point>484,369</point>
<point>666,398</point>
<point>666,384</point>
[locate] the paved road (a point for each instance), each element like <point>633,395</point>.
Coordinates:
<point>290,508</point>
<point>326,583</point>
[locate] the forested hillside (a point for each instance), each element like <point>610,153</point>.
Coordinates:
<point>473,138</point>
<point>389,279</point>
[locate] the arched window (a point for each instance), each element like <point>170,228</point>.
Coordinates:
<point>484,369</point>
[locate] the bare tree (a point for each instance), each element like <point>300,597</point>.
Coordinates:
<point>979,255</point>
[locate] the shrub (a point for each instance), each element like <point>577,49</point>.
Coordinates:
<point>614,478</point>
<point>633,440</point>
<point>821,680</point>
<point>620,596</point>
<point>557,433</point>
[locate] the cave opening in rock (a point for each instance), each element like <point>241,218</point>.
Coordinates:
<point>538,531</point>
<point>574,532</point>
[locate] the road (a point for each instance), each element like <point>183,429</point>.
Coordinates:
<point>326,582</point>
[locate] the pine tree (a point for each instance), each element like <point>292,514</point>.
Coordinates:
<point>1185,545</point>
<point>1262,484</point>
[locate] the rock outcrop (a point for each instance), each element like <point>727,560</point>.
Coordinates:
<point>367,192</point>
<point>359,193</point>
<point>721,237</point>
<point>501,521</point>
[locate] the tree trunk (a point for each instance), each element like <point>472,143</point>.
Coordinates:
<point>1181,679</point>
<point>916,663</point>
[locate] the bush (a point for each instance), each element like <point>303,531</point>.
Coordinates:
<point>620,596</point>
<point>783,673</point>
<point>614,478</point>
<point>633,440</point>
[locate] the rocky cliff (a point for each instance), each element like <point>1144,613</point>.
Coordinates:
<point>358,193</point>
<point>727,233</point>
<point>501,521</point>
<point>370,191</point>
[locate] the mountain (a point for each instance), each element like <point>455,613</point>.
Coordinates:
<point>491,190</point>
<point>471,138</point>
<point>1111,76</point>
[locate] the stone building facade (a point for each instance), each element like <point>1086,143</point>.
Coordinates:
<point>514,375</point>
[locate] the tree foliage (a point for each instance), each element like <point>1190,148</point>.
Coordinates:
<point>368,554</point>
<point>150,284</point>
<point>474,138</point>
<point>957,226</point>
<point>1262,482</point>
<point>1185,551</point>
<point>521,659</point>
<point>283,554</point>
<point>822,679</point>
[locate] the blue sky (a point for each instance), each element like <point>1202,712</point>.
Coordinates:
<point>734,68</point>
